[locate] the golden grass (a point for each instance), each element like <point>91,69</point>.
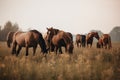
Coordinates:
<point>83,64</point>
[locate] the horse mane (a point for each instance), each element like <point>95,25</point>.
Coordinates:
<point>35,31</point>
<point>56,31</point>
<point>41,40</point>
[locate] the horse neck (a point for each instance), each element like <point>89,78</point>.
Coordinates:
<point>90,36</point>
<point>97,38</point>
<point>55,32</point>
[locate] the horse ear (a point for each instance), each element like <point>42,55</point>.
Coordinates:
<point>47,28</point>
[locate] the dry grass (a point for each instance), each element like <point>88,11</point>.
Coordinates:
<point>83,64</point>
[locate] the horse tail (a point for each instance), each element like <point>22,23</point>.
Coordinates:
<point>10,38</point>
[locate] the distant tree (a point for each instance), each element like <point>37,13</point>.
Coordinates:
<point>15,27</point>
<point>7,28</point>
<point>0,31</point>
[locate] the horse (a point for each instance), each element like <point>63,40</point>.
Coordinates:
<point>50,33</point>
<point>104,42</point>
<point>89,38</point>
<point>80,40</point>
<point>60,39</point>
<point>10,38</point>
<point>28,39</point>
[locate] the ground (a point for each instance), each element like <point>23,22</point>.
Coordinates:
<point>83,64</point>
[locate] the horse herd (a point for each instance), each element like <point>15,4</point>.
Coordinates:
<point>54,40</point>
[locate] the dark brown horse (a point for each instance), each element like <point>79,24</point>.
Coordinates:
<point>10,38</point>
<point>59,38</point>
<point>28,39</point>
<point>89,38</point>
<point>80,40</point>
<point>104,41</point>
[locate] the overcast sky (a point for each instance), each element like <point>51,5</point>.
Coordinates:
<point>75,16</point>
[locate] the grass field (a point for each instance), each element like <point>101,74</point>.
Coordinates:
<point>83,64</point>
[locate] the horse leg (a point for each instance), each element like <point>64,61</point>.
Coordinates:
<point>18,51</point>
<point>65,48</point>
<point>77,44</point>
<point>83,44</point>
<point>101,45</point>
<point>80,44</point>
<point>34,50</point>
<point>105,46</point>
<point>26,50</point>
<point>56,49</point>
<point>14,48</point>
<point>90,45</point>
<point>60,50</point>
<point>87,45</point>
<point>109,46</point>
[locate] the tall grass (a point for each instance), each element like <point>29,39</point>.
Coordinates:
<point>83,64</point>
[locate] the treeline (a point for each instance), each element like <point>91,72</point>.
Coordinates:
<point>9,26</point>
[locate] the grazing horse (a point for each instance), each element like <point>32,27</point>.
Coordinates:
<point>89,38</point>
<point>104,41</point>
<point>80,40</point>
<point>60,39</point>
<point>28,39</point>
<point>10,38</point>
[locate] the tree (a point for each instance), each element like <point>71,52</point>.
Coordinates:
<point>7,28</point>
<point>0,31</point>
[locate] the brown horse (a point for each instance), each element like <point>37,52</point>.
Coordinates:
<point>50,33</point>
<point>59,38</point>
<point>89,38</point>
<point>104,41</point>
<point>80,40</point>
<point>28,39</point>
<point>62,39</point>
<point>10,38</point>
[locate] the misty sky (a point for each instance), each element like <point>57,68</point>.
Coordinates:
<point>76,16</point>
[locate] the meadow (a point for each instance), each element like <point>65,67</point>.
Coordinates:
<point>83,64</point>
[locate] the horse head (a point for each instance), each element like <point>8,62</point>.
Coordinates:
<point>51,32</point>
<point>96,35</point>
<point>70,47</point>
